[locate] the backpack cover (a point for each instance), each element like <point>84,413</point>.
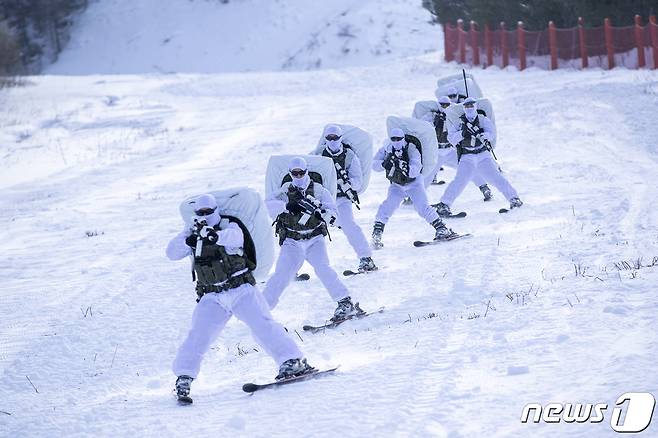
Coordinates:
<point>361,144</point>
<point>457,81</point>
<point>320,169</point>
<point>424,132</point>
<point>245,207</point>
<point>424,107</point>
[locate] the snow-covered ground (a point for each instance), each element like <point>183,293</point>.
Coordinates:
<point>530,309</point>
<point>555,302</point>
<point>207,36</point>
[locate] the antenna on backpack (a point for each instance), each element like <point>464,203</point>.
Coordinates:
<point>465,83</point>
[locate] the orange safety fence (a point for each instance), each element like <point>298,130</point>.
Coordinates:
<point>607,46</point>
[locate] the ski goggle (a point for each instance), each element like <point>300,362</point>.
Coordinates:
<point>397,138</point>
<point>298,173</point>
<point>445,105</point>
<point>205,211</point>
<point>469,105</point>
<point>332,137</point>
<point>452,96</point>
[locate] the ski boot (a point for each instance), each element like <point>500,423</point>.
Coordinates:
<point>377,231</point>
<point>367,265</point>
<point>407,201</point>
<point>183,387</point>
<point>294,368</point>
<point>442,232</point>
<point>346,310</point>
<point>486,192</point>
<point>515,203</point>
<point>443,209</point>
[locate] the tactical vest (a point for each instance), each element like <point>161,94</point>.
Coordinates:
<point>441,131</point>
<point>214,269</point>
<point>289,225</point>
<point>470,144</point>
<point>398,177</point>
<point>344,159</point>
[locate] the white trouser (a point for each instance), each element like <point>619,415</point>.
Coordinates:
<point>212,313</point>
<point>448,157</point>
<point>291,257</point>
<point>396,193</point>
<point>484,164</point>
<point>352,230</point>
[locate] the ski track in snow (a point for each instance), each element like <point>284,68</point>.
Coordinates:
<point>472,331</point>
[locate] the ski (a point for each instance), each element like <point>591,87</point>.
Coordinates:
<point>420,243</point>
<point>334,324</point>
<point>451,215</point>
<point>184,400</point>
<point>349,272</point>
<point>253,387</point>
<point>303,277</point>
<point>503,210</point>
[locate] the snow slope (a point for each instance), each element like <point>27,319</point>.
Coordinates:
<point>206,36</point>
<point>530,309</point>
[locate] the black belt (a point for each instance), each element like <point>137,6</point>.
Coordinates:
<point>474,151</point>
<point>444,145</point>
<point>231,283</point>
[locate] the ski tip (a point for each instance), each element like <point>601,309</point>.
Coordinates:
<point>249,387</point>
<point>503,210</point>
<point>307,328</point>
<point>303,277</point>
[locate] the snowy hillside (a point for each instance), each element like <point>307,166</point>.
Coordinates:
<point>205,36</point>
<point>555,302</point>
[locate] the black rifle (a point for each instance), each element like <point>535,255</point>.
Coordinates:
<point>345,187</point>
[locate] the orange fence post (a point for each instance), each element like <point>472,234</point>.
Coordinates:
<point>474,43</point>
<point>487,45</point>
<point>583,47</point>
<point>521,38</point>
<point>654,39</point>
<point>552,42</point>
<point>447,49</point>
<point>608,43</point>
<point>503,44</point>
<point>461,40</point>
<point>639,42</point>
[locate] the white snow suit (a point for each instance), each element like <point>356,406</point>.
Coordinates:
<point>480,162</point>
<point>397,192</point>
<point>215,309</point>
<point>295,251</point>
<point>447,156</point>
<point>345,215</point>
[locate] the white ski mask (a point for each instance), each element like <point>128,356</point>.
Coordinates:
<point>203,204</point>
<point>332,138</point>
<point>397,133</point>
<point>470,113</point>
<point>297,164</point>
<point>302,182</point>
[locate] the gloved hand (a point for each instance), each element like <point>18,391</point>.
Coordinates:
<point>209,235</point>
<point>293,207</point>
<point>191,240</point>
<point>440,116</point>
<point>318,214</point>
